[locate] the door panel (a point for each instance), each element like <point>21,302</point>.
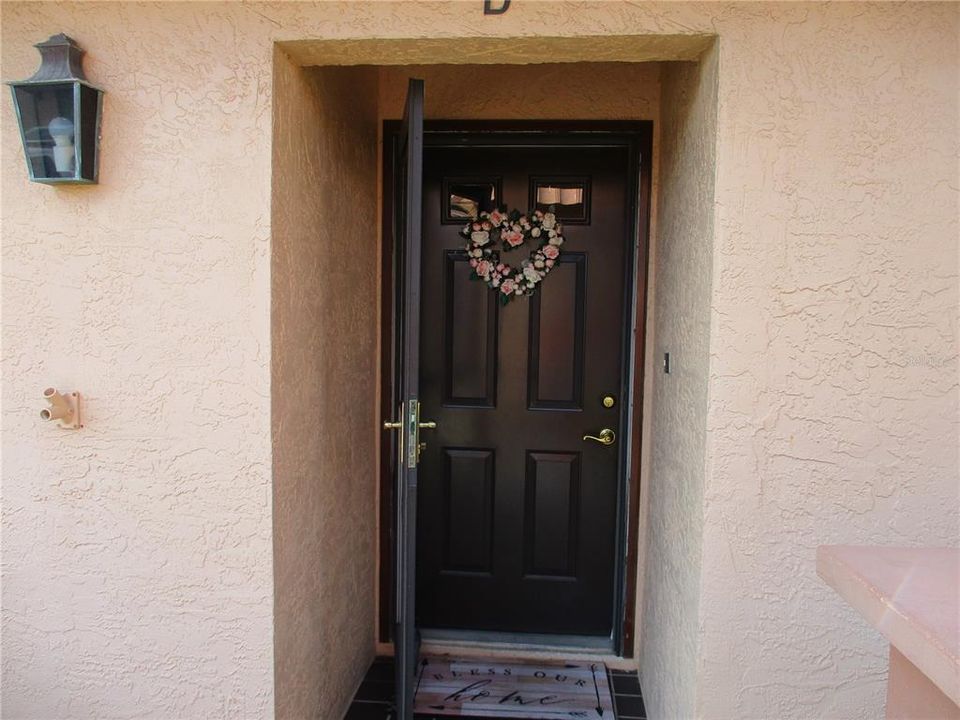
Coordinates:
<point>470,336</point>
<point>556,352</point>
<point>518,513</point>
<point>468,485</point>
<point>551,522</point>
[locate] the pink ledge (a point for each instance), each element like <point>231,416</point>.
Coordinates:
<point>911,595</point>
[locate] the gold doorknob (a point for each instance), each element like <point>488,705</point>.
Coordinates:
<point>606,437</point>
<point>429,425</point>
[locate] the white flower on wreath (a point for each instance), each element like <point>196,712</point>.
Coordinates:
<point>535,232</point>
<point>556,240</point>
<point>531,274</point>
<point>549,220</point>
<point>480,237</point>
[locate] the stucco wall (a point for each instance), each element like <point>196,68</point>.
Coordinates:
<point>324,334</point>
<point>834,344</point>
<point>137,554</point>
<point>137,574</point>
<point>590,91</point>
<point>682,278</point>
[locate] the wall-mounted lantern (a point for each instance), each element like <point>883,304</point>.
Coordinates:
<point>58,111</point>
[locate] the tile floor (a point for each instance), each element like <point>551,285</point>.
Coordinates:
<point>373,698</point>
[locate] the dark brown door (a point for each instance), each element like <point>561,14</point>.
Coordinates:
<point>518,512</point>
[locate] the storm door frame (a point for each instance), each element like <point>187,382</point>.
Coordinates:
<point>637,136</point>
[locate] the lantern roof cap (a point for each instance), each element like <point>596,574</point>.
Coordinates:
<point>61,60</point>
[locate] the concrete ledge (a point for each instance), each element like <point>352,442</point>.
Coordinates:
<point>908,594</point>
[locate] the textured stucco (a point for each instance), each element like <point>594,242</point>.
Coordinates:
<point>137,576</point>
<point>324,334</point>
<point>682,275</point>
<point>137,558</point>
<point>834,342</point>
<point>591,91</point>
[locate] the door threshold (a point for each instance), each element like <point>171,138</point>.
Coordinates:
<point>520,646</point>
<point>532,641</point>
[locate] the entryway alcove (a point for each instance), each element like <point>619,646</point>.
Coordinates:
<point>331,102</point>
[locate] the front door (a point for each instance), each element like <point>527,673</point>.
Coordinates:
<point>518,506</point>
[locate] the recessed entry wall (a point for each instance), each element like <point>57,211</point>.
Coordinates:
<point>327,121</point>
<point>547,91</point>
<point>324,335</point>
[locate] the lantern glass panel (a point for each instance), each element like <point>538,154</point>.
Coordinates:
<point>89,138</point>
<point>49,128</point>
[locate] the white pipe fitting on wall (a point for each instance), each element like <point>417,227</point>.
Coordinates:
<point>64,409</point>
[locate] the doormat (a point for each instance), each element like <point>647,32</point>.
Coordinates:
<point>477,688</point>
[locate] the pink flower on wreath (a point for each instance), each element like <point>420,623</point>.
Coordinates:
<point>486,225</point>
<point>549,263</point>
<point>508,287</point>
<point>476,226</point>
<point>500,267</point>
<point>473,262</point>
<point>484,267</point>
<point>496,217</point>
<point>513,238</point>
<point>551,252</point>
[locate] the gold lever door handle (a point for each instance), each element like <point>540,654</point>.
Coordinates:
<point>410,426</point>
<point>606,437</point>
<point>429,425</point>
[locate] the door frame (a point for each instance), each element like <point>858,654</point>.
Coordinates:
<point>637,137</point>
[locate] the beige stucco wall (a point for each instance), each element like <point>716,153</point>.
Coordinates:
<point>137,573</point>
<point>137,555</point>
<point>680,312</point>
<point>323,340</point>
<point>834,343</point>
<point>591,91</point>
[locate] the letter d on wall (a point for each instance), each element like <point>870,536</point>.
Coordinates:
<point>489,9</point>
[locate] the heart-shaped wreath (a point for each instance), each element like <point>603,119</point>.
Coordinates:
<point>492,232</point>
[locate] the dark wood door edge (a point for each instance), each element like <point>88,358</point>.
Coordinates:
<point>644,177</point>
<point>639,134</point>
